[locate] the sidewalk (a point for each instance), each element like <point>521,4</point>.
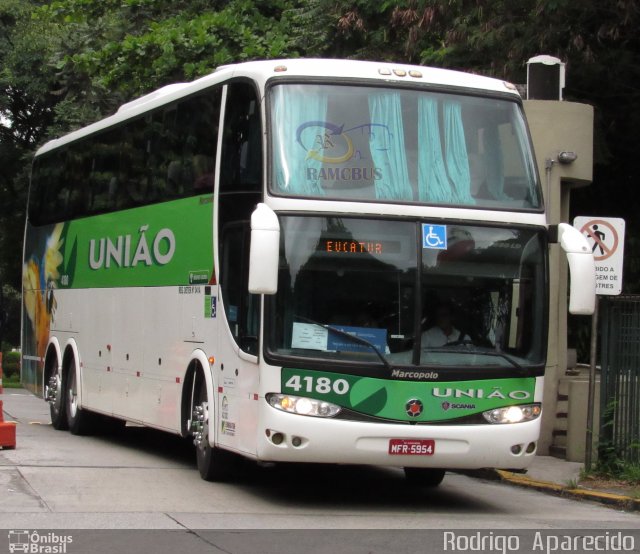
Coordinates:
<point>556,476</point>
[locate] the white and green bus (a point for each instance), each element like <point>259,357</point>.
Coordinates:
<point>300,261</point>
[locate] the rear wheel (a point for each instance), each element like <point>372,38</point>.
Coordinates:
<point>424,476</point>
<point>214,464</point>
<point>80,421</point>
<point>54,394</point>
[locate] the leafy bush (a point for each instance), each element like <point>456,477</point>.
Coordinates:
<point>11,364</point>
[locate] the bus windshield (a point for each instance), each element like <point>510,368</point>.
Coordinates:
<point>344,142</point>
<point>399,293</point>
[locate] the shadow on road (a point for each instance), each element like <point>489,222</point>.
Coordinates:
<point>314,485</point>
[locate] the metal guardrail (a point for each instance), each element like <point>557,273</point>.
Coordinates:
<point>620,378</point>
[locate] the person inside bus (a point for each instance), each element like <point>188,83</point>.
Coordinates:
<point>478,175</point>
<point>203,169</point>
<point>443,332</point>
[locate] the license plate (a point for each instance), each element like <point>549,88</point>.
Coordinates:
<point>412,447</point>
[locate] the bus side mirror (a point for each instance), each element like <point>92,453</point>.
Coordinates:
<point>582,296</point>
<point>264,251</point>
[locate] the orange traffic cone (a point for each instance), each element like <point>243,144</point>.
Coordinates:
<point>7,432</point>
<point>8,428</point>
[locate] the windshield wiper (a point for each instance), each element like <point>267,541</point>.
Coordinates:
<point>354,338</point>
<point>520,369</point>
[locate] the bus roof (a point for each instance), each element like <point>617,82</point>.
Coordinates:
<point>262,71</point>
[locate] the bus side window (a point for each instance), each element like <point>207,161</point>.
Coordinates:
<point>103,174</point>
<point>183,145</point>
<point>240,191</point>
<point>241,160</point>
<point>45,188</point>
<point>241,308</point>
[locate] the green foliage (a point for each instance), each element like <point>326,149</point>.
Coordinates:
<point>114,51</point>
<point>614,462</point>
<point>12,382</point>
<point>11,364</point>
<point>628,472</point>
<point>25,115</point>
<point>66,63</point>
<point>10,312</point>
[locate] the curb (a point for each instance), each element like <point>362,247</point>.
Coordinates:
<point>615,500</point>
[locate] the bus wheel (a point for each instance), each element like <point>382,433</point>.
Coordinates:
<point>213,463</point>
<point>424,476</point>
<point>54,394</point>
<point>80,421</point>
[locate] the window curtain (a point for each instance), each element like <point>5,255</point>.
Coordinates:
<point>443,173</point>
<point>456,156</point>
<point>387,147</point>
<point>433,181</point>
<point>295,171</point>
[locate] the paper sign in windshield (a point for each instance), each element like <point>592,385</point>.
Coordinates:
<point>310,336</point>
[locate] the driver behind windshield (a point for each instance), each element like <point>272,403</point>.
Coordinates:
<point>443,332</point>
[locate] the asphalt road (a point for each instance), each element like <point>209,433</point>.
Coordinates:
<point>140,479</point>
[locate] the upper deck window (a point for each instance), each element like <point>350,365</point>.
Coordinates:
<point>381,144</point>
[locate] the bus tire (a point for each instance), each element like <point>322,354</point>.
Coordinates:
<point>214,464</point>
<point>55,395</point>
<point>425,477</point>
<point>80,421</point>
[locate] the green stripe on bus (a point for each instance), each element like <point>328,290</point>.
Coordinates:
<point>154,245</point>
<point>391,399</point>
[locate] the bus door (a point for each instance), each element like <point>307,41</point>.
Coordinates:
<point>239,191</point>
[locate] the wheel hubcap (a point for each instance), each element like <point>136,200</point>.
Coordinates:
<point>199,425</point>
<point>52,389</point>
<point>73,397</point>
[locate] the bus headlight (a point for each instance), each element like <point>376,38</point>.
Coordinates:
<point>302,406</point>
<point>513,414</point>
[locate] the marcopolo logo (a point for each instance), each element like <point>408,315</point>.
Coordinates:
<point>33,542</point>
<point>130,251</point>
<point>414,375</point>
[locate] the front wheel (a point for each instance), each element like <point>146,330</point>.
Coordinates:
<point>424,476</point>
<point>213,462</point>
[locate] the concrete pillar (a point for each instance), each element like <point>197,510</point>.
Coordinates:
<point>557,127</point>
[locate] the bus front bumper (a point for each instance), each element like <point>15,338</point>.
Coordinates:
<point>285,437</point>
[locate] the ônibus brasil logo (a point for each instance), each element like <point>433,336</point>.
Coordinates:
<point>33,542</point>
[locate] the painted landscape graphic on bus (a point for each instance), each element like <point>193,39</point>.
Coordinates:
<point>40,275</point>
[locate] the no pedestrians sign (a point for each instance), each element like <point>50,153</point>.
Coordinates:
<point>606,237</point>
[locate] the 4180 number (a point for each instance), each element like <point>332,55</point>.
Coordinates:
<point>319,385</point>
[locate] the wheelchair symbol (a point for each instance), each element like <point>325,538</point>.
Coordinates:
<point>434,236</point>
